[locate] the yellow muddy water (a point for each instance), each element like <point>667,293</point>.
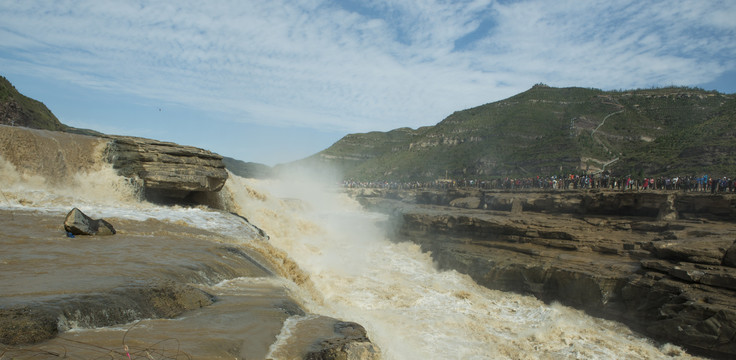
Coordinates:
<point>325,254</point>
<point>40,263</point>
<point>411,309</point>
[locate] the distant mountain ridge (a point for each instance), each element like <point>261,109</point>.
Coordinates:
<point>554,131</point>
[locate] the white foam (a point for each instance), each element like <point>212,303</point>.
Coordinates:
<point>412,310</point>
<point>101,193</point>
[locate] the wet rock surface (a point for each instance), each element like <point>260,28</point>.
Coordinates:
<point>349,342</point>
<point>225,299</point>
<point>51,283</point>
<point>26,325</point>
<point>661,263</point>
<point>77,223</point>
<point>316,337</point>
<point>29,324</point>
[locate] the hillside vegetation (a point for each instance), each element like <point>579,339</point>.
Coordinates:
<point>543,131</point>
<point>247,169</point>
<point>554,131</point>
<point>17,109</point>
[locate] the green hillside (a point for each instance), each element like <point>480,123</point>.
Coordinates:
<point>542,131</point>
<point>19,110</point>
<point>249,170</point>
<point>547,131</point>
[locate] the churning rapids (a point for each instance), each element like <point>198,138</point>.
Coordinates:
<point>330,256</point>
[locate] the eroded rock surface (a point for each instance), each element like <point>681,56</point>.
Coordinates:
<point>349,342</point>
<point>663,263</point>
<point>317,337</point>
<point>28,324</point>
<point>167,170</point>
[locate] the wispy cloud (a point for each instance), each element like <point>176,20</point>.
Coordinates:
<point>359,66</point>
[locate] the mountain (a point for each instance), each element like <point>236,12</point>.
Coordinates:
<point>672,131</point>
<point>248,169</point>
<point>554,131</point>
<point>17,109</point>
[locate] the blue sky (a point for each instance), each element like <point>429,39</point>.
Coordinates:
<point>275,81</point>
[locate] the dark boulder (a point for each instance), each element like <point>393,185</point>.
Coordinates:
<point>77,223</point>
<point>730,258</point>
<point>350,341</point>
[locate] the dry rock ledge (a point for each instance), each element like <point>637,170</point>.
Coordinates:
<point>663,263</point>
<point>168,171</point>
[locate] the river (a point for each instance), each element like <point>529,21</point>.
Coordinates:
<point>323,252</point>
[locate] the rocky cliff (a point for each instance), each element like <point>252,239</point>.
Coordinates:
<point>168,171</point>
<point>662,263</point>
<point>164,171</point>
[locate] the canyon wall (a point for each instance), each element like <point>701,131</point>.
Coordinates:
<point>663,263</point>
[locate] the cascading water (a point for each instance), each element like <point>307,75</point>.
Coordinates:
<point>412,310</point>
<point>333,258</point>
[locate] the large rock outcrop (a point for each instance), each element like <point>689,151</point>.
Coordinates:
<point>167,170</point>
<point>78,223</point>
<point>662,263</point>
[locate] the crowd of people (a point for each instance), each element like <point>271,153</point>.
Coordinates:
<point>703,183</point>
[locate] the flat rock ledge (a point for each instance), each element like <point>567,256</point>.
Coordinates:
<point>662,263</point>
<point>30,324</point>
<point>167,170</point>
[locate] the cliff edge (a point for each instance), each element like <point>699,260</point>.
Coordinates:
<point>168,171</point>
<point>664,263</point>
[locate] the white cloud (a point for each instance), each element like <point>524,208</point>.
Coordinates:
<point>318,64</point>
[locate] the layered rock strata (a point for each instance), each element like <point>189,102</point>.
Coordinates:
<point>167,170</point>
<point>663,263</point>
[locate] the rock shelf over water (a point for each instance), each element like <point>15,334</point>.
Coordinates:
<point>167,170</point>
<point>662,263</point>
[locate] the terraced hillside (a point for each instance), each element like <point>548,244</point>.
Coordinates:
<point>546,130</point>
